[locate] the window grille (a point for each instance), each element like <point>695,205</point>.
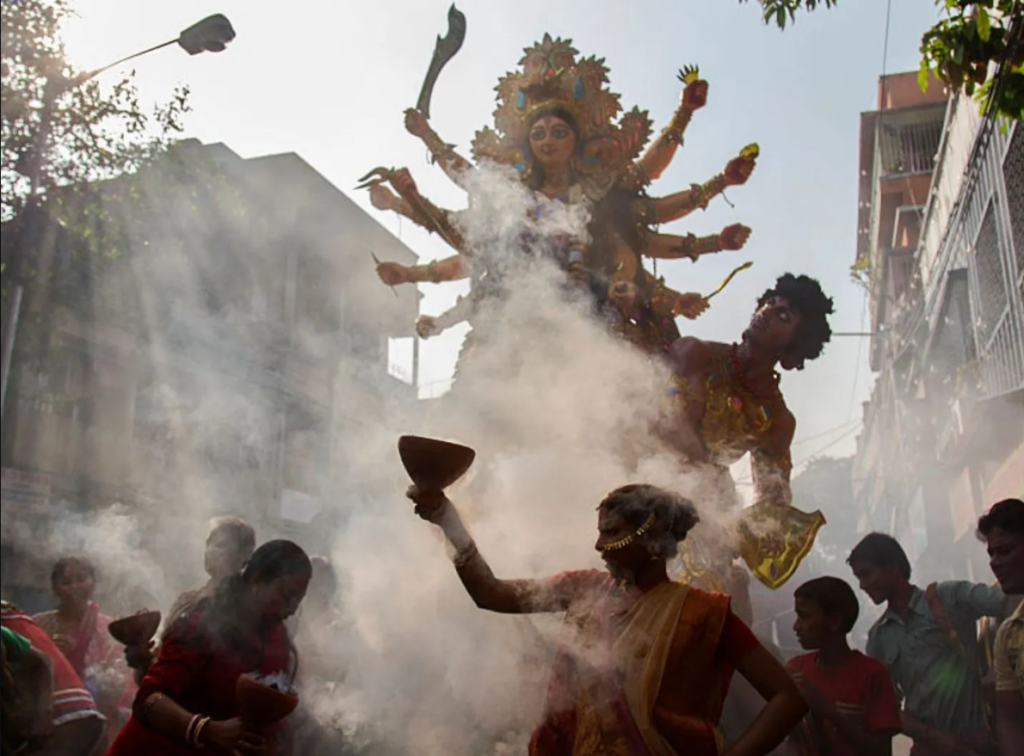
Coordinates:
<point>1002,369</point>
<point>1013,175</point>
<point>989,272</point>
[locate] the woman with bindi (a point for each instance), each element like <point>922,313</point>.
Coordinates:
<point>187,700</point>
<point>644,663</point>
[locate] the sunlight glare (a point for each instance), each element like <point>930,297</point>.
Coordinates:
<point>93,37</point>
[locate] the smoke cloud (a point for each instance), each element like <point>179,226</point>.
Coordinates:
<point>559,410</point>
<point>556,408</point>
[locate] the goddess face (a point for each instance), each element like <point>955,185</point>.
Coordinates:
<point>552,142</point>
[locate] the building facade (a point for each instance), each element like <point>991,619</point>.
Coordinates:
<point>218,366</point>
<point>941,248</point>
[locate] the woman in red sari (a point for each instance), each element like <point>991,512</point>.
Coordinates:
<point>79,630</point>
<point>190,688</point>
<point>644,663</point>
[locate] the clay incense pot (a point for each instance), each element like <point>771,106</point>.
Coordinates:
<point>136,630</point>
<point>434,464</point>
<point>262,705</point>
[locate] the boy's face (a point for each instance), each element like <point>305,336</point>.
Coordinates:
<point>813,626</point>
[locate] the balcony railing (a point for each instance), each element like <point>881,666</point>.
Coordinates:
<point>908,140</point>
<point>1002,362</point>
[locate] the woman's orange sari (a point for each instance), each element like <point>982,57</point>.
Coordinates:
<point>606,696</point>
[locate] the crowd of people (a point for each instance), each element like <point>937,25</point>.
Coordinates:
<point>642,668</point>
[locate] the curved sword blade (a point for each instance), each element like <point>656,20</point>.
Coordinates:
<point>444,51</point>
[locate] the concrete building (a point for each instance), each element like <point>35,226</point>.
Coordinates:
<point>214,368</point>
<point>941,246</point>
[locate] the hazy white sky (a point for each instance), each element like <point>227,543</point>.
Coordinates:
<point>329,81</point>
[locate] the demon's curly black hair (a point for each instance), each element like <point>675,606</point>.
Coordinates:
<point>805,296</point>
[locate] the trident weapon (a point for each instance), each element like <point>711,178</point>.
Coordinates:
<point>444,50</point>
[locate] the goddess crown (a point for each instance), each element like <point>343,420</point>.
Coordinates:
<point>551,77</point>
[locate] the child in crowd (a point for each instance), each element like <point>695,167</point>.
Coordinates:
<point>853,710</point>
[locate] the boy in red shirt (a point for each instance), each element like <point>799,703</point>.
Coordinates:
<point>853,710</point>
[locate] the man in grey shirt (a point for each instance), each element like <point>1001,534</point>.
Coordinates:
<point>927,639</point>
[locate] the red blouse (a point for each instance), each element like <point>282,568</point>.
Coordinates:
<point>199,679</point>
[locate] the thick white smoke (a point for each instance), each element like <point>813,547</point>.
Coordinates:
<point>554,405</point>
<point>559,410</point>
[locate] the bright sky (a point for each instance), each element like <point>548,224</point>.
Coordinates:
<point>330,81</point>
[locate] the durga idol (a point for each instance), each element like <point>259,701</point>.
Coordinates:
<point>558,126</point>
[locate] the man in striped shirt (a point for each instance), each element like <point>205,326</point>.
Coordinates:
<point>78,725</point>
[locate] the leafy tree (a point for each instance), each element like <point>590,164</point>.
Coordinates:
<point>977,47</point>
<point>58,130</point>
<point>62,138</point>
<point>784,11</point>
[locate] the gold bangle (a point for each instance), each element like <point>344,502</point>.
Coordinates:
<point>672,135</point>
<point>438,148</point>
<point>434,272</point>
<point>418,273</point>
<point>190,728</point>
<point>710,189</point>
<point>674,131</point>
<point>195,733</point>
<point>706,244</point>
<point>687,247</point>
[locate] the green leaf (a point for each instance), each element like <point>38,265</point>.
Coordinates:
<point>922,75</point>
<point>984,23</point>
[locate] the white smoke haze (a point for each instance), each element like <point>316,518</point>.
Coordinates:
<point>553,404</point>
<point>112,540</point>
<point>560,412</point>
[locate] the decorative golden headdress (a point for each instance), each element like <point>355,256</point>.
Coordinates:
<point>552,78</point>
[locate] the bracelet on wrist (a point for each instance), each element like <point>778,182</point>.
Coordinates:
<point>674,131</point>
<point>463,556</point>
<point>672,135</point>
<point>196,742</point>
<point>190,728</point>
